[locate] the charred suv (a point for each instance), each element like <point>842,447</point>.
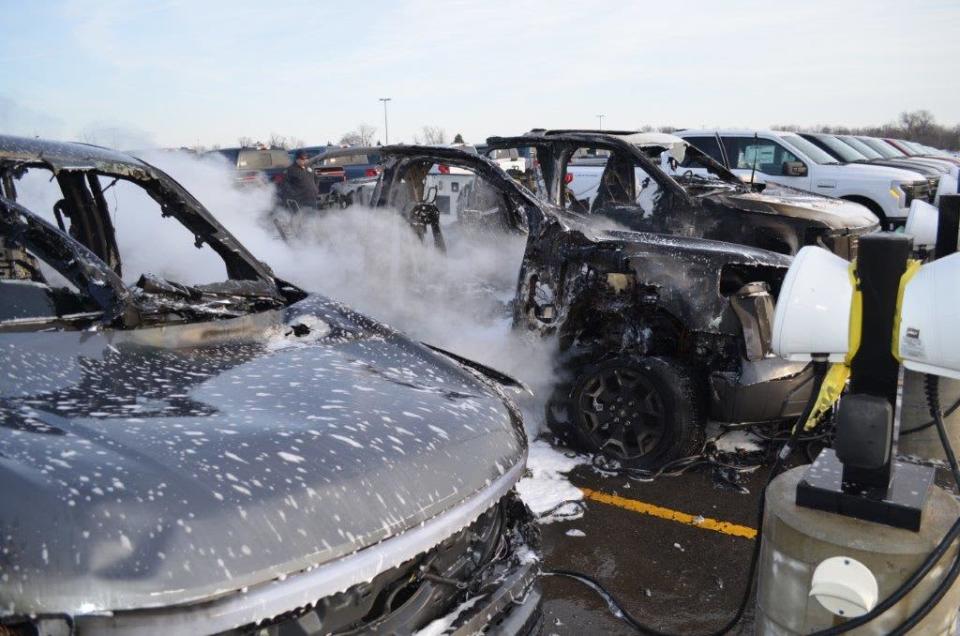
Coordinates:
<point>658,329</point>
<point>236,456</point>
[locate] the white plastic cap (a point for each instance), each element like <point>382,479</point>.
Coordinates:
<point>845,587</point>
<point>947,185</point>
<point>929,340</point>
<point>922,223</point>
<point>813,310</point>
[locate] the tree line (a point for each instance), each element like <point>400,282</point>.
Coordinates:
<point>918,125</point>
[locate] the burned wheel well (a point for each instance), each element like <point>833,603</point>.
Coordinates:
<point>615,328</point>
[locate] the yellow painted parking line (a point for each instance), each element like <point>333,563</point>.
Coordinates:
<point>704,523</point>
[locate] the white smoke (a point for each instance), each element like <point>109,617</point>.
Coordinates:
<point>367,258</point>
<point>371,260</point>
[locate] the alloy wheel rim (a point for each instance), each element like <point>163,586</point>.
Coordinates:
<point>622,412</point>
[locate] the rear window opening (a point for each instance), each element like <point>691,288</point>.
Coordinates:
<point>597,178</point>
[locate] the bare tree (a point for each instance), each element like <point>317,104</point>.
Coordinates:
<point>278,141</point>
<point>366,132</point>
<point>285,142</point>
<point>245,142</point>
<point>362,136</point>
<point>431,135</point>
<point>918,123</point>
<point>351,138</point>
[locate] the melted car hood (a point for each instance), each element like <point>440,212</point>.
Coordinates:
<point>161,466</point>
<point>785,201</point>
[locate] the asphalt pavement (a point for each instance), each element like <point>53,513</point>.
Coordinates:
<point>674,552</point>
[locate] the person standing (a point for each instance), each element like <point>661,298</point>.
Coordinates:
<point>300,184</point>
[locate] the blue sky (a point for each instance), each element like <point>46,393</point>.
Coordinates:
<point>179,73</point>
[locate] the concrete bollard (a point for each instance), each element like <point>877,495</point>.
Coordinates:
<point>796,540</point>
<point>925,444</point>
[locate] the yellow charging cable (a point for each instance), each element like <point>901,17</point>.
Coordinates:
<point>836,378</point>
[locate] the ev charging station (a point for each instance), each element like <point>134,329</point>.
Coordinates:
<point>859,541</point>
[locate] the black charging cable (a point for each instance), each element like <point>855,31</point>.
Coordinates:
<point>819,371</point>
<point>933,401</point>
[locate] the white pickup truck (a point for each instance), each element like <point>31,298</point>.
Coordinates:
<point>789,159</point>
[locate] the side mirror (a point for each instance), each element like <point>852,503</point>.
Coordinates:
<point>794,169</point>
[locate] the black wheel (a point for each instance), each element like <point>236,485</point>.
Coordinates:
<point>640,411</point>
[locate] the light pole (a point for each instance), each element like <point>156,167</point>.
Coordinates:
<point>386,128</point>
<point>600,117</point>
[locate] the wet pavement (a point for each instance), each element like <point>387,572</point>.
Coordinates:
<point>670,573</point>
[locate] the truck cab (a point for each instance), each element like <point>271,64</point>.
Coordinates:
<point>788,159</point>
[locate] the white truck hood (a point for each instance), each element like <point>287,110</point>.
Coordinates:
<point>868,172</point>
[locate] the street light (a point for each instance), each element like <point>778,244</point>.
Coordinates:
<point>386,128</point>
<point>600,117</point>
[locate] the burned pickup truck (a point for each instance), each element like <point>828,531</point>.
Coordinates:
<point>235,456</point>
<point>655,182</point>
<point>656,330</point>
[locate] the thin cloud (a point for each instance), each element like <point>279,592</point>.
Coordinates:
<point>213,71</point>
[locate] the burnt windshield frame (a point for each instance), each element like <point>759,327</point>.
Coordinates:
<point>176,201</point>
<point>557,147</point>
<point>397,160</point>
<point>66,256</point>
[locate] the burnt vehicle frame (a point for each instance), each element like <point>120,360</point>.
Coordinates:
<point>103,378</point>
<point>699,196</point>
<point>655,332</point>
<point>342,184</point>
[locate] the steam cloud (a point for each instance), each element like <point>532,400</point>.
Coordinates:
<point>369,259</point>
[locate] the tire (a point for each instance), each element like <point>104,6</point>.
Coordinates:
<point>640,411</point>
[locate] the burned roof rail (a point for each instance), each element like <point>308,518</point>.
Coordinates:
<point>614,139</point>
<point>607,140</point>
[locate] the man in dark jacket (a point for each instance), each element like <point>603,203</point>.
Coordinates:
<point>299,184</point>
